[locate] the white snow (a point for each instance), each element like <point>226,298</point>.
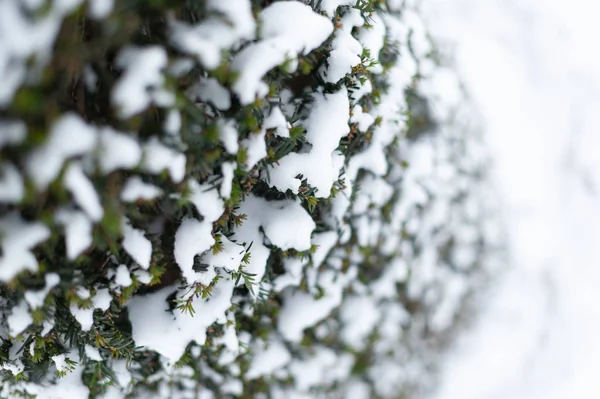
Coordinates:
<point>135,189</point>
<point>60,362</point>
<point>137,245</point>
<point>330,6</point>
<point>326,125</point>
<point>231,22</point>
<point>11,184</point>
<point>373,40</point>
<point>267,357</point>
<point>117,150</point>
<point>359,314</point>
<point>102,299</point>
<point>12,132</point>
<point>345,49</point>
<point>169,333</point>
<point>256,148</point>
<point>70,385</point>
<point>100,9</point>
<point>158,157</point>
<point>276,120</point>
<point>84,316</point>
<point>18,238</point>
<point>22,39</point>
<point>229,135</point>
<point>83,191</point>
<point>192,238</point>
<point>229,340</point>
<point>36,299</point>
<point>19,319</point>
<point>123,278</point>
<point>285,34</point>
<point>301,310</point>
<point>227,169</point>
<point>206,199</point>
<point>229,258</point>
<point>45,162</point>
<point>142,68</point>
<point>325,366</point>
<point>273,217</point>
<point>78,231</point>
<point>172,124</point>
<point>211,91</point>
<point>92,353</point>
<point>532,68</point>
<point>83,293</point>
<point>47,327</point>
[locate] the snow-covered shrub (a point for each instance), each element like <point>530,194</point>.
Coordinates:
<point>218,198</point>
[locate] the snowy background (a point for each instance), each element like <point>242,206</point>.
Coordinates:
<point>533,69</point>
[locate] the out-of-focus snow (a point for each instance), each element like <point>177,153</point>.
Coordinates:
<point>533,70</point>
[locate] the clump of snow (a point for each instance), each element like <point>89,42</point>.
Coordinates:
<point>373,40</point>
<point>210,90</point>
<point>274,217</point>
<point>154,327</point>
<point>229,340</point>
<point>122,277</point>
<point>172,124</point>
<point>158,157</point>
<point>228,135</point>
<point>12,132</point>
<point>136,189</point>
<point>92,353</point>
<point>100,9</point>
<point>256,148</point>
<point>117,150</point>
<point>19,319</point>
<point>267,357</point>
<point>69,386</point>
<point>102,299</point>
<point>142,70</point>
<point>325,126</point>
<point>78,231</point>
<point>192,238</point>
<point>330,6</point>
<point>85,316</point>
<point>284,37</point>
<point>230,23</point>
<point>324,367</point>
<point>60,362</point>
<point>23,39</point>
<point>46,161</point>
<point>227,169</point>
<point>346,51</point>
<point>301,310</point>
<point>137,245</point>
<point>36,299</point>
<point>83,191</point>
<point>363,119</point>
<point>12,188</point>
<point>291,277</point>
<point>359,314</point>
<point>276,120</point>
<point>18,239</point>
<point>207,201</point>
<point>229,258</point>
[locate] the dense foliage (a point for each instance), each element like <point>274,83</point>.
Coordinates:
<point>209,198</point>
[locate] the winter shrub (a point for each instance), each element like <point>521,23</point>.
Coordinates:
<point>231,198</point>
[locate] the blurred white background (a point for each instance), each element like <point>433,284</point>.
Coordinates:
<point>533,69</point>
